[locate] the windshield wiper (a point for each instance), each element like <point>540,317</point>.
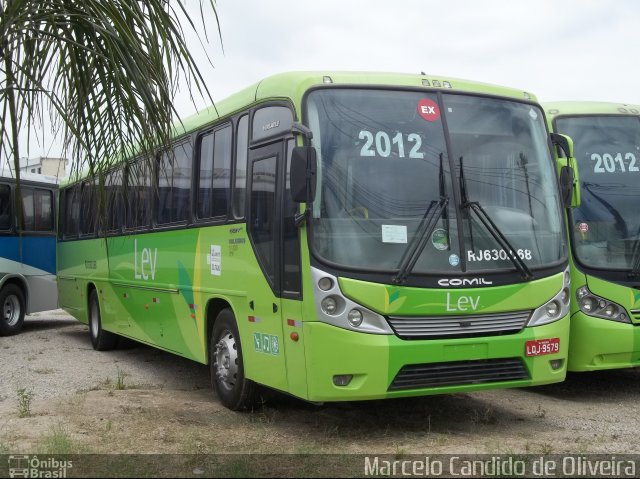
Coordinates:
<point>492,228</point>
<point>417,244</point>
<point>635,257</point>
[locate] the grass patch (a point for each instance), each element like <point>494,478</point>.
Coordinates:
<point>24,402</point>
<point>57,441</point>
<point>120,381</point>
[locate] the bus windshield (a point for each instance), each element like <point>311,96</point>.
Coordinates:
<point>386,158</point>
<point>606,226</point>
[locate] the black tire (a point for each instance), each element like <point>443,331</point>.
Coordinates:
<point>101,340</point>
<point>13,308</point>
<point>234,390</point>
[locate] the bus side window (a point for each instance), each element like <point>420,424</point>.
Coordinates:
<point>72,211</point>
<point>174,185</point>
<point>215,173</point>
<point>88,208</point>
<point>115,202</point>
<point>28,220</point>
<point>138,193</point>
<point>5,207</point>
<point>43,210</point>
<point>291,278</point>
<point>239,191</point>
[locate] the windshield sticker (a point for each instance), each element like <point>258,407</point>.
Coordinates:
<point>394,234</point>
<point>609,162</point>
<point>583,227</point>
<point>440,240</point>
<point>428,109</point>
<point>495,255</point>
<point>382,144</point>
<point>454,260</point>
<point>533,114</point>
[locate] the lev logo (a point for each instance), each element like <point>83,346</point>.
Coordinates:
<point>148,262</point>
<point>462,303</point>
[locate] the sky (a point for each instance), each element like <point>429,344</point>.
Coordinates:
<point>555,49</point>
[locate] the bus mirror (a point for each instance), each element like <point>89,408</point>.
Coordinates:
<point>568,168</point>
<point>566,186</point>
<point>303,174</point>
<point>564,142</point>
<point>575,188</point>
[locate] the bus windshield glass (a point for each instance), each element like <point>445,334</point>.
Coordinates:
<point>606,226</point>
<point>389,159</point>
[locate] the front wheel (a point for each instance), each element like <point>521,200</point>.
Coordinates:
<point>13,310</point>
<point>101,340</point>
<point>226,365</point>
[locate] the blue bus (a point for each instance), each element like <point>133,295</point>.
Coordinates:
<point>27,249</point>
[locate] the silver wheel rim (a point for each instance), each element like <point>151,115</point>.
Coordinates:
<point>11,310</point>
<point>93,320</point>
<point>226,360</point>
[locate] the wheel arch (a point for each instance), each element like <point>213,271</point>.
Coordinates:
<point>21,282</point>
<point>213,308</point>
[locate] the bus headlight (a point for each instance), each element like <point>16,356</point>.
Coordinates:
<point>332,307</point>
<point>554,309</point>
<point>355,317</point>
<point>598,307</point>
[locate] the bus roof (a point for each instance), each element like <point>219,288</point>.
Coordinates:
<point>31,177</point>
<point>560,108</point>
<point>293,85</point>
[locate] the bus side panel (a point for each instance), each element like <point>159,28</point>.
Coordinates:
<point>229,268</point>
<point>39,267</point>
<point>81,263</point>
<point>152,287</point>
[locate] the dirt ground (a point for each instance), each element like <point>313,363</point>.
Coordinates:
<point>141,400</point>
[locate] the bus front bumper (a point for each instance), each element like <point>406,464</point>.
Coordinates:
<point>598,344</point>
<point>344,365</point>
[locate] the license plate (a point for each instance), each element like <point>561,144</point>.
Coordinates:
<point>539,347</point>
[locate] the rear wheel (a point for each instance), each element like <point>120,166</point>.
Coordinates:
<point>226,364</point>
<point>13,310</point>
<point>100,339</point>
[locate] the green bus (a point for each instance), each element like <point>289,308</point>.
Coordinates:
<point>604,233</point>
<point>335,236</point>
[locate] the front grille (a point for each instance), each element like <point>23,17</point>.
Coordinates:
<point>459,373</point>
<point>635,314</point>
<point>434,327</point>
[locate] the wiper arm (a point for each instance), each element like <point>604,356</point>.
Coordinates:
<point>635,257</point>
<point>492,228</point>
<point>417,244</point>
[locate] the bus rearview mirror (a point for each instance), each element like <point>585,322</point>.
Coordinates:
<point>303,174</point>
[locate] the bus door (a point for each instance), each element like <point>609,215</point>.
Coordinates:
<point>263,343</point>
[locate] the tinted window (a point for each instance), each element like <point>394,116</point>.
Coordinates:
<point>43,210</point>
<point>239,192</point>
<point>263,212</point>
<point>71,211</point>
<point>139,194</point>
<point>88,211</point>
<point>215,173</point>
<point>28,222</point>
<point>5,207</point>
<point>115,200</point>
<point>291,281</point>
<point>174,185</point>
